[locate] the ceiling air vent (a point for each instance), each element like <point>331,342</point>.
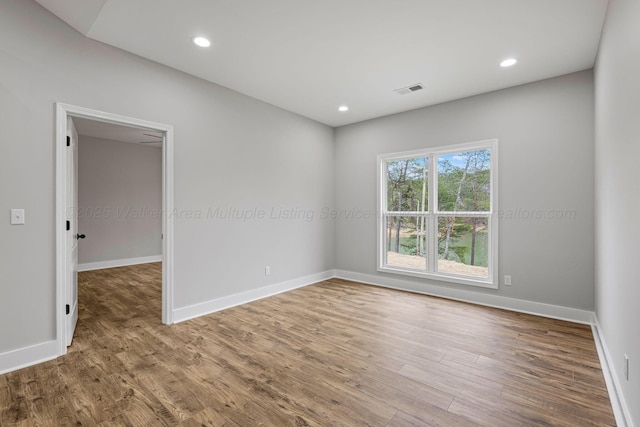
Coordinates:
<point>413,88</point>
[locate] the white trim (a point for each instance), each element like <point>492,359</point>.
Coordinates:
<point>208,307</point>
<point>32,355</point>
<point>618,403</point>
<point>490,300</point>
<point>443,277</point>
<point>28,356</point>
<point>61,244</point>
<point>38,353</point>
<point>433,213</point>
<point>167,226</point>
<point>62,112</point>
<point>88,266</point>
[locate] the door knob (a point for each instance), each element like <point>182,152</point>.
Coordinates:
<point>80,236</point>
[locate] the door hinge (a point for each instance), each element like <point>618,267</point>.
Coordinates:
<point>68,225</point>
<point>67,308</point>
<point>68,141</point>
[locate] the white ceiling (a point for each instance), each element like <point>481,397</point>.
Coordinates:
<point>114,132</point>
<point>310,57</point>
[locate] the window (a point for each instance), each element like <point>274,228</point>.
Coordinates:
<point>436,216</point>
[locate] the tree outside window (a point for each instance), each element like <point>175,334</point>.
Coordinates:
<point>436,213</point>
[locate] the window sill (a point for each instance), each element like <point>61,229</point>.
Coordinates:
<point>451,278</point>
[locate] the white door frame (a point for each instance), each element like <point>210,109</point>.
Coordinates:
<point>62,112</point>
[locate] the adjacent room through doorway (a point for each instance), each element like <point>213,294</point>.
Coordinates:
<point>113,192</point>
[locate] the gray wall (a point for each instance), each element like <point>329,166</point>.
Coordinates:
<point>119,200</point>
<point>230,151</point>
<point>545,133</point>
<point>617,199</point>
<point>234,153</point>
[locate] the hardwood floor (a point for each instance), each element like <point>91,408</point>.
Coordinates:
<point>333,354</point>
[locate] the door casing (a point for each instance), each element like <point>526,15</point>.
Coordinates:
<point>63,111</point>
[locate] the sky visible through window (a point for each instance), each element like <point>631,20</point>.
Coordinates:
<point>459,225</point>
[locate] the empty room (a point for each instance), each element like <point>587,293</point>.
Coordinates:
<point>330,213</point>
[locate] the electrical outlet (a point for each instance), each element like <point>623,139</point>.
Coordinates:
<point>626,367</point>
<point>17,216</point>
<point>267,270</point>
<point>507,280</point>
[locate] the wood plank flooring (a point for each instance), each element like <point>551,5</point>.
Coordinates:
<point>332,354</point>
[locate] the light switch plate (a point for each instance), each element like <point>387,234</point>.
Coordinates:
<point>17,216</point>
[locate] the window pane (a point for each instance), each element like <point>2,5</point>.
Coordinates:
<point>463,246</point>
<point>464,182</point>
<point>407,185</point>
<point>406,242</point>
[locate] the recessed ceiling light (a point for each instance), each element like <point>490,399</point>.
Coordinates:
<point>343,108</point>
<point>202,41</point>
<point>508,62</point>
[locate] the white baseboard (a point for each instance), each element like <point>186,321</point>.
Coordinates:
<point>618,403</point>
<point>490,300</point>
<point>43,352</point>
<point>208,307</point>
<point>27,356</point>
<point>118,263</point>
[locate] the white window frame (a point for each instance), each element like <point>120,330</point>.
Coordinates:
<point>433,213</point>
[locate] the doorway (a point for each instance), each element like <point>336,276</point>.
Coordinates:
<point>66,213</point>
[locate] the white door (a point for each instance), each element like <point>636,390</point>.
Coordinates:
<point>72,231</point>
